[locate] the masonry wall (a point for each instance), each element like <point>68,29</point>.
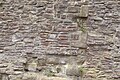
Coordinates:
<point>59,39</point>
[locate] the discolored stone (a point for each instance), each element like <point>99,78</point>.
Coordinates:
<point>37,35</point>
<point>32,66</point>
<point>78,39</point>
<point>84,11</point>
<point>72,70</point>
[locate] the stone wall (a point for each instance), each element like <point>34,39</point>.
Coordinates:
<point>59,39</point>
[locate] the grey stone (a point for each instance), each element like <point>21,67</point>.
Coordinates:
<point>5,77</point>
<point>98,18</point>
<point>72,70</point>
<point>85,2</point>
<point>1,51</point>
<point>3,65</point>
<point>52,36</point>
<point>32,66</point>
<point>53,61</point>
<point>84,11</point>
<point>80,40</point>
<point>73,9</point>
<point>44,31</point>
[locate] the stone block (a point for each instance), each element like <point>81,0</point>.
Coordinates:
<point>84,11</point>
<point>41,62</point>
<point>1,51</point>
<point>78,39</point>
<point>53,78</point>
<point>73,9</point>
<point>53,61</point>
<point>72,70</point>
<point>3,65</point>
<point>84,1</point>
<point>52,36</point>
<point>5,77</point>
<point>30,76</point>
<point>32,66</point>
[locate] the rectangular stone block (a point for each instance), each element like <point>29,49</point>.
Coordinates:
<point>32,66</point>
<point>78,39</point>
<point>84,11</point>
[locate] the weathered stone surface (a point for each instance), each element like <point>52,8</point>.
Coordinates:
<point>32,66</point>
<point>72,70</point>
<point>78,39</point>
<point>37,76</point>
<point>85,2</point>
<point>73,9</point>
<point>37,36</point>
<point>84,11</point>
<point>53,78</point>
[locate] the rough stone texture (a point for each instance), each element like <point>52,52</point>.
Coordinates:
<point>84,11</point>
<point>40,40</point>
